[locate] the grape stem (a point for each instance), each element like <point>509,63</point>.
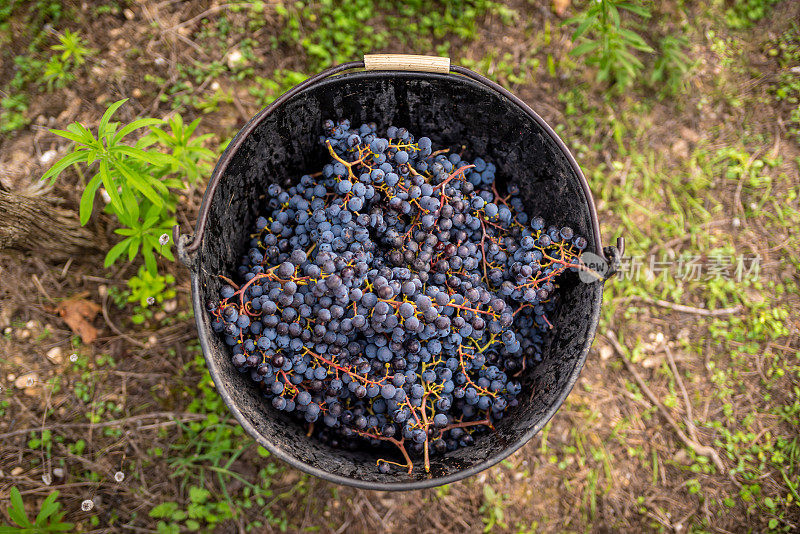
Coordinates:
<point>398,443</point>
<point>425,427</point>
<point>465,424</point>
<point>458,172</point>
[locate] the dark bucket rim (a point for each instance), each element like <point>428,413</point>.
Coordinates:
<point>187,251</point>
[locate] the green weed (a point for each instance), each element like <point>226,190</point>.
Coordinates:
<point>140,181</point>
<point>12,116</point>
<point>744,13</point>
<point>493,509</point>
<point>672,65</point>
<point>49,518</point>
<point>605,43</point>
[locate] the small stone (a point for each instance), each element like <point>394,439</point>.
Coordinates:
<point>17,471</point>
<point>736,222</point>
<point>235,59</point>
<point>102,290</point>
<point>151,341</point>
<point>606,352</point>
<point>681,148</point>
<point>24,334</point>
<point>129,14</point>
<point>47,479</point>
<point>55,355</point>
<point>28,380</point>
<point>681,457</point>
<point>659,337</point>
<point>651,362</point>
<point>105,196</point>
<point>160,61</point>
<point>170,305</point>
<point>159,316</point>
<point>48,157</point>
<point>137,93</point>
<point>215,86</point>
<point>58,472</point>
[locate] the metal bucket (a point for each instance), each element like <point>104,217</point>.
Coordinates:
<point>452,106</point>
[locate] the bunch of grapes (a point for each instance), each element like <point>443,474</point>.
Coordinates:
<point>396,296</point>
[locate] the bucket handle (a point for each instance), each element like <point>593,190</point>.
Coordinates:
<point>187,246</point>
<point>407,62</point>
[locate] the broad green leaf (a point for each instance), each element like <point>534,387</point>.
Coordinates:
<point>115,252</point>
<point>166,251</point>
<point>91,156</point>
<point>151,239</point>
<point>173,182</point>
<point>189,130</point>
<point>101,130</point>
<point>151,220</point>
<point>62,164</point>
<point>635,40</point>
<point>87,198</point>
<point>139,183</point>
<point>49,507</point>
<point>131,204</point>
<point>176,124</point>
<point>79,129</point>
<point>149,259</point>
<point>581,29</point>
<point>613,15</point>
<point>633,8</point>
<point>62,527</point>
<point>135,125</point>
<point>153,158</point>
<point>17,509</point>
<point>126,231</point>
<point>584,48</point>
<point>133,247</point>
<point>162,136</point>
<point>110,185</point>
<point>77,138</point>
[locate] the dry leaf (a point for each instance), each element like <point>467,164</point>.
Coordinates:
<point>560,6</point>
<point>78,314</point>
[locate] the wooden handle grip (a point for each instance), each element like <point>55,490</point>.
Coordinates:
<point>407,62</point>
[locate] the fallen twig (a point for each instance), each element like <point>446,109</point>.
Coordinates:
<point>687,309</point>
<point>698,448</point>
<point>125,420</point>
<point>113,327</point>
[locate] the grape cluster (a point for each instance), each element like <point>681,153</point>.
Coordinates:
<point>395,296</point>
